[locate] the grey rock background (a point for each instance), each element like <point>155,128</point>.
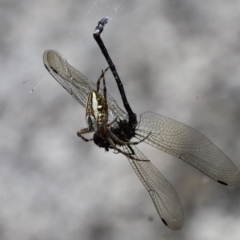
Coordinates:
<point>178,58</point>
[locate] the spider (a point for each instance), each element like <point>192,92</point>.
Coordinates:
<point>106,135</point>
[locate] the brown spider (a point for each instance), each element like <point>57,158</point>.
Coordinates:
<point>97,120</point>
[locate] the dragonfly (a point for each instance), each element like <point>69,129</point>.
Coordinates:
<point>114,128</point>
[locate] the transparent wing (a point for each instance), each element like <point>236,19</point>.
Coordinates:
<point>189,145</point>
<point>76,83</point>
<point>161,191</point>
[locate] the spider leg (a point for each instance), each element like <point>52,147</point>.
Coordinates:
<point>82,132</point>
<point>129,155</point>
<point>101,78</point>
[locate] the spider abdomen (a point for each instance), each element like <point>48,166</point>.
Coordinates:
<point>96,111</point>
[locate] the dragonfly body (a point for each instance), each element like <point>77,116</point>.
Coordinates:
<point>113,128</point>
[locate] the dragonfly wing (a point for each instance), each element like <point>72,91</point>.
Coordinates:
<point>161,191</point>
<point>72,80</point>
<point>76,83</point>
<point>189,145</point>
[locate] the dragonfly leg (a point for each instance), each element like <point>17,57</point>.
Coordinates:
<point>126,143</point>
<point>128,155</point>
<point>111,123</point>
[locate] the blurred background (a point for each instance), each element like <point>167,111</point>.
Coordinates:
<point>178,58</point>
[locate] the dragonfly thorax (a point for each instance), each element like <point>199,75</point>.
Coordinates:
<point>96,111</point>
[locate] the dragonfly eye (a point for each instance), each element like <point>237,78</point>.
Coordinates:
<point>91,122</point>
